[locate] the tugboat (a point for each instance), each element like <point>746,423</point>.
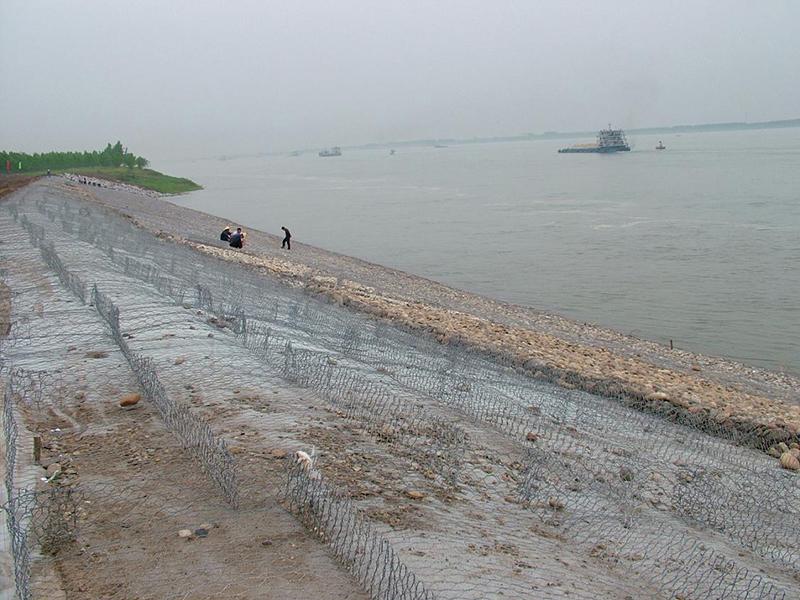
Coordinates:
<point>335,151</point>
<point>661,146</point>
<point>608,140</point>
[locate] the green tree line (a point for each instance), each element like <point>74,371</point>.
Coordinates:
<point>111,156</point>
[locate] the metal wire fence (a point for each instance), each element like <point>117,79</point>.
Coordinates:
<point>685,511</point>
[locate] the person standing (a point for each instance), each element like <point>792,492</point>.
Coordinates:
<point>287,239</point>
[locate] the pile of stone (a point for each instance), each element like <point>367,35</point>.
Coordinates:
<point>789,455</point>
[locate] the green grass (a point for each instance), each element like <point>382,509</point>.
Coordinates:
<point>144,178</point>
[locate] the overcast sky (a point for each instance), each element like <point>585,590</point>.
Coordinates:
<point>200,78</point>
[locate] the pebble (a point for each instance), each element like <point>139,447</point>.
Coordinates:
<point>531,437</point>
<point>185,533</point>
<point>415,495</point>
<point>278,453</point>
<point>201,532</point>
<point>789,461</point>
<point>180,360</point>
<point>555,503</point>
<point>130,400</point>
<point>96,354</point>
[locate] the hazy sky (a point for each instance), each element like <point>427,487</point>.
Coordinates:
<point>205,77</point>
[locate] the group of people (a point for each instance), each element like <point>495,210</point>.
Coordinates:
<point>236,238</point>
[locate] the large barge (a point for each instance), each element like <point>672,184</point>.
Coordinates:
<point>335,151</point>
<point>608,140</point>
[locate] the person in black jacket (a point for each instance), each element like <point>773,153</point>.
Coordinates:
<point>237,238</point>
<point>287,239</point>
<point>225,236</point>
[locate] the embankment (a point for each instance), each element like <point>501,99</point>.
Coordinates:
<point>754,406</point>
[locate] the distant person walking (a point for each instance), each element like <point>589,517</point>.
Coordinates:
<point>237,238</point>
<point>225,236</point>
<point>287,239</point>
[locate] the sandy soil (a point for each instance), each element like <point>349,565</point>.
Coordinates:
<point>763,405</point>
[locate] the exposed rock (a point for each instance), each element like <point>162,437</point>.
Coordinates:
<point>415,495</point>
<point>278,453</point>
<point>789,461</point>
<point>185,533</point>
<point>660,396</point>
<point>555,503</point>
<point>180,360</point>
<point>783,447</point>
<point>774,452</point>
<point>625,474</point>
<point>531,437</point>
<point>130,400</point>
<point>201,532</point>
<point>53,469</point>
<point>96,354</point>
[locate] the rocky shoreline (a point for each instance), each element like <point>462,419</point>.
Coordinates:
<point>755,406</point>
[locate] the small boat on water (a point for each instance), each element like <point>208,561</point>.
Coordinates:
<point>661,146</point>
<point>335,151</point>
<point>608,140</point>
<point>391,152</point>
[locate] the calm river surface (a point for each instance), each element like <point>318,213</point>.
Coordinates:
<point>699,243</point>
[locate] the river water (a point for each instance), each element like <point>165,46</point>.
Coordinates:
<point>698,243</point>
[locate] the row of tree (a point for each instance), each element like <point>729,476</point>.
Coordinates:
<point>112,156</point>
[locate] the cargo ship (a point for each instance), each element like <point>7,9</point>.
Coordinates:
<point>608,140</point>
<point>335,151</point>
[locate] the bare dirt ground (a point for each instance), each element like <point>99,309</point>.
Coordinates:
<point>138,487</point>
<point>584,499</point>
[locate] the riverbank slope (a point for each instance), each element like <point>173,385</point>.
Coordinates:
<point>757,406</point>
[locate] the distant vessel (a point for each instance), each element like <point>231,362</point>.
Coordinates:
<point>391,152</point>
<point>335,151</point>
<point>608,140</point>
<point>661,146</point>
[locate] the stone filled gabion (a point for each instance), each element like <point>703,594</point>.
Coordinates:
<point>579,468</point>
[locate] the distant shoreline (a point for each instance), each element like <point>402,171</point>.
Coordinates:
<point>147,179</point>
<point>554,135</point>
